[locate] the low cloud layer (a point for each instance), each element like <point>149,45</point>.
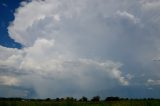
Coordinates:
<point>83,48</point>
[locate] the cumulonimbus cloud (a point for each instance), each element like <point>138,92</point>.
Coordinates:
<point>74,47</point>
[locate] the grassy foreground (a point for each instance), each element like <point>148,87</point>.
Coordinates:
<point>73,103</point>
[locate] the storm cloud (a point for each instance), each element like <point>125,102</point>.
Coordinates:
<point>84,48</point>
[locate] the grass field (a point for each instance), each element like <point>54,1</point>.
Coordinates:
<point>73,103</point>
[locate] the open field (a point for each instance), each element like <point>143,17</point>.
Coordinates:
<point>74,103</point>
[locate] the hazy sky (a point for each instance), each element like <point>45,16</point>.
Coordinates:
<point>59,48</point>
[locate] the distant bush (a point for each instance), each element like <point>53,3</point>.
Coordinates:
<point>70,99</point>
<point>112,99</point>
<point>95,99</point>
<point>48,99</point>
<point>83,99</point>
<point>57,99</point>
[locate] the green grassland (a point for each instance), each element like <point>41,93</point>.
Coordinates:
<point>78,103</point>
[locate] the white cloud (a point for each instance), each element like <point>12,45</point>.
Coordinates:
<point>150,4</point>
<point>129,76</point>
<point>10,57</point>
<point>153,82</point>
<point>128,17</point>
<point>8,80</point>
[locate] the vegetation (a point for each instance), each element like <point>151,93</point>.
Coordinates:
<point>70,101</point>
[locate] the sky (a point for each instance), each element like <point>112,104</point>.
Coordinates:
<point>61,48</point>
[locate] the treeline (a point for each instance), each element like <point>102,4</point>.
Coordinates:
<point>82,99</point>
